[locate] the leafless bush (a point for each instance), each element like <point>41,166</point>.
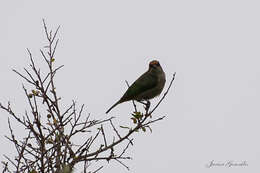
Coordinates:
<point>50,131</point>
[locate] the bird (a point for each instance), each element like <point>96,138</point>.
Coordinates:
<point>146,87</point>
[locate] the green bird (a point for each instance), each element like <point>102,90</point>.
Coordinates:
<point>147,86</point>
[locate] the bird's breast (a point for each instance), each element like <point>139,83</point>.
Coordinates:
<point>161,80</point>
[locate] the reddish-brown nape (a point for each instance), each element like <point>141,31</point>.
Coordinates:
<point>154,62</point>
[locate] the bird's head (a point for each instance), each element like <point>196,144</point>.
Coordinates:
<point>155,66</point>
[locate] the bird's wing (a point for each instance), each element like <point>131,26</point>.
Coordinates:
<point>143,83</point>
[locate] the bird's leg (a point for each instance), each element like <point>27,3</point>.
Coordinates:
<point>147,105</point>
<point>141,102</point>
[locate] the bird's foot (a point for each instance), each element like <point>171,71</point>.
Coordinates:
<point>146,104</point>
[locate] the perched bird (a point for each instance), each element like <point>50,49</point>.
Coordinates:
<point>147,86</point>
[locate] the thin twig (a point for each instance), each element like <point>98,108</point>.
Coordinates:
<point>132,100</point>
<point>164,95</point>
<point>103,134</point>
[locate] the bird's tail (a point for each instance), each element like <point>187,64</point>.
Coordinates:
<point>113,106</point>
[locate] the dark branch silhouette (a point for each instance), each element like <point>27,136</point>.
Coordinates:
<point>49,144</point>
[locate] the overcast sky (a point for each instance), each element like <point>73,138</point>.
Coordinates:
<point>212,111</point>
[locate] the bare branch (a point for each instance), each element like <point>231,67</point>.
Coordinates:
<point>51,128</point>
<point>103,134</point>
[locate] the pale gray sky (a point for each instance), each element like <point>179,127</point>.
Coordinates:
<point>213,108</point>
